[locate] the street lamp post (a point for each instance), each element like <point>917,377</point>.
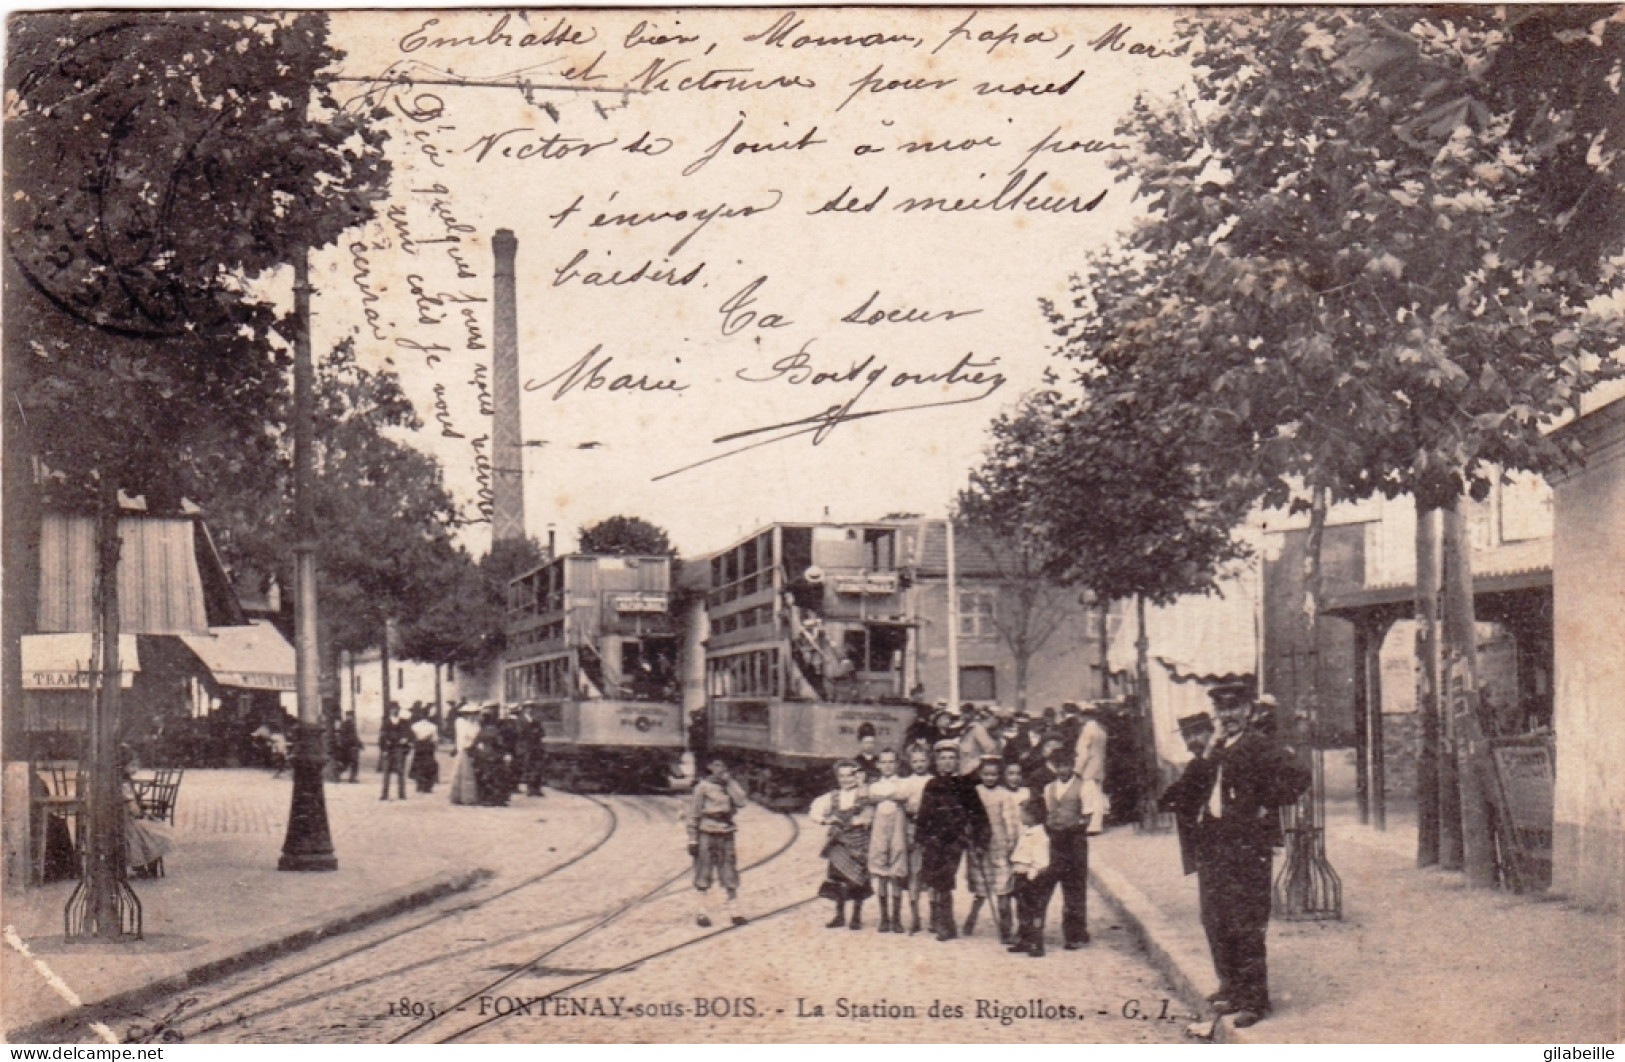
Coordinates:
<point>309,843</point>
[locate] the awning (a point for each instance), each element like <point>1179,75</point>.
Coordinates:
<point>255,657</point>
<point>63,661</point>
<point>1193,642</point>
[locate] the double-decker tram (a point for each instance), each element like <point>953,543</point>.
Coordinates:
<point>591,643</point>
<point>810,637</point>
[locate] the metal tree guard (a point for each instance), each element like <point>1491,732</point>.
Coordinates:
<point>1308,889</point>
<point>102,903</point>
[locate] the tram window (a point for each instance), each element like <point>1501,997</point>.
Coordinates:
<point>886,646</point>
<point>879,549</point>
<point>798,552</point>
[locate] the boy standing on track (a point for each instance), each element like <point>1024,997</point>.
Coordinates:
<point>716,799</point>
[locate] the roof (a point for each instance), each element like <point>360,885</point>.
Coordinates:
<point>255,657</point>
<point>976,552</point>
<point>1506,568</point>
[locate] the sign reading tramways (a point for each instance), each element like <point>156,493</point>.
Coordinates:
<point>592,646</point>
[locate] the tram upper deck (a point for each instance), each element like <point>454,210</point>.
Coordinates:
<point>591,639</point>
<point>811,634</point>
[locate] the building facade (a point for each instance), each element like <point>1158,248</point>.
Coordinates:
<point>1588,589</point>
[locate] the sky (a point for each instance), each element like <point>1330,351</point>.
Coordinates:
<point>700,146</point>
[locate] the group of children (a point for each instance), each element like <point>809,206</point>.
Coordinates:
<point>899,825</point>
<point>1035,840</point>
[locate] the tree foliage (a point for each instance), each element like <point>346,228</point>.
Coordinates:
<point>1106,495</point>
<point>626,536</point>
<point>464,622</point>
<point>385,523</point>
<point>157,158</point>
<point>1345,285</point>
<point>153,162</point>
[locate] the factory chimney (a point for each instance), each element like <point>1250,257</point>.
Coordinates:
<point>507,452</point>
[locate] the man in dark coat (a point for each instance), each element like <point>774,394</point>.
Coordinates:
<point>951,819</point>
<point>349,746</point>
<point>528,749</point>
<point>1232,795</point>
<point>1180,798</point>
<point>394,741</point>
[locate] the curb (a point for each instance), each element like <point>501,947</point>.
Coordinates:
<point>1189,970</point>
<point>1186,966</point>
<point>252,951</point>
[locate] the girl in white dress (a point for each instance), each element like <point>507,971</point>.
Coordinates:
<point>888,841</point>
<point>904,792</point>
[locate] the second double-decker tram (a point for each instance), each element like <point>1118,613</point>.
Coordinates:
<point>810,637</point>
<point>592,645</point>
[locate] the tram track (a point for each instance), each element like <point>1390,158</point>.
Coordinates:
<point>597,922</point>
<point>435,919</point>
<point>655,893</point>
<point>624,967</point>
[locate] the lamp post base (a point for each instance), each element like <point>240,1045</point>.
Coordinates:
<point>309,843</point>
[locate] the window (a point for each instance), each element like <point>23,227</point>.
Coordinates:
<point>754,673</point>
<point>977,684</point>
<point>976,614</point>
<point>879,549</point>
<point>400,678</point>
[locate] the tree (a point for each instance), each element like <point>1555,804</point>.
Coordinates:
<point>626,536</point>
<point>385,523</point>
<point>465,623</point>
<point>154,162</point>
<point>1363,265</point>
<point>1031,606</point>
<point>1108,492</point>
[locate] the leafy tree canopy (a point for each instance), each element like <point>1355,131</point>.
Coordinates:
<point>156,158</point>
<point>464,623</point>
<point>1107,496</point>
<point>153,160</point>
<point>627,536</point>
<point>1356,288</point>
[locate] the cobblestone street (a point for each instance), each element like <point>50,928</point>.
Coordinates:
<point>604,947</point>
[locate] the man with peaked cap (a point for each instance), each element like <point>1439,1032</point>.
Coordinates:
<point>1233,793</point>
<point>1196,731</point>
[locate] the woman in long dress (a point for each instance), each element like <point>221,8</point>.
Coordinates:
<point>146,841</point>
<point>465,731</point>
<point>425,770</point>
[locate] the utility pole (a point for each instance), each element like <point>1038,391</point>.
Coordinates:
<point>309,843</point>
<point>953,622</point>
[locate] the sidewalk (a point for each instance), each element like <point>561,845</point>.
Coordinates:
<point>223,904</point>
<point>1417,957</point>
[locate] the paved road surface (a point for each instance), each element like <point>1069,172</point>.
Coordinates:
<point>601,945</point>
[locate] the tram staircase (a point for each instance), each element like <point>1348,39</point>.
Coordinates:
<point>815,659</point>
<point>592,671</point>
